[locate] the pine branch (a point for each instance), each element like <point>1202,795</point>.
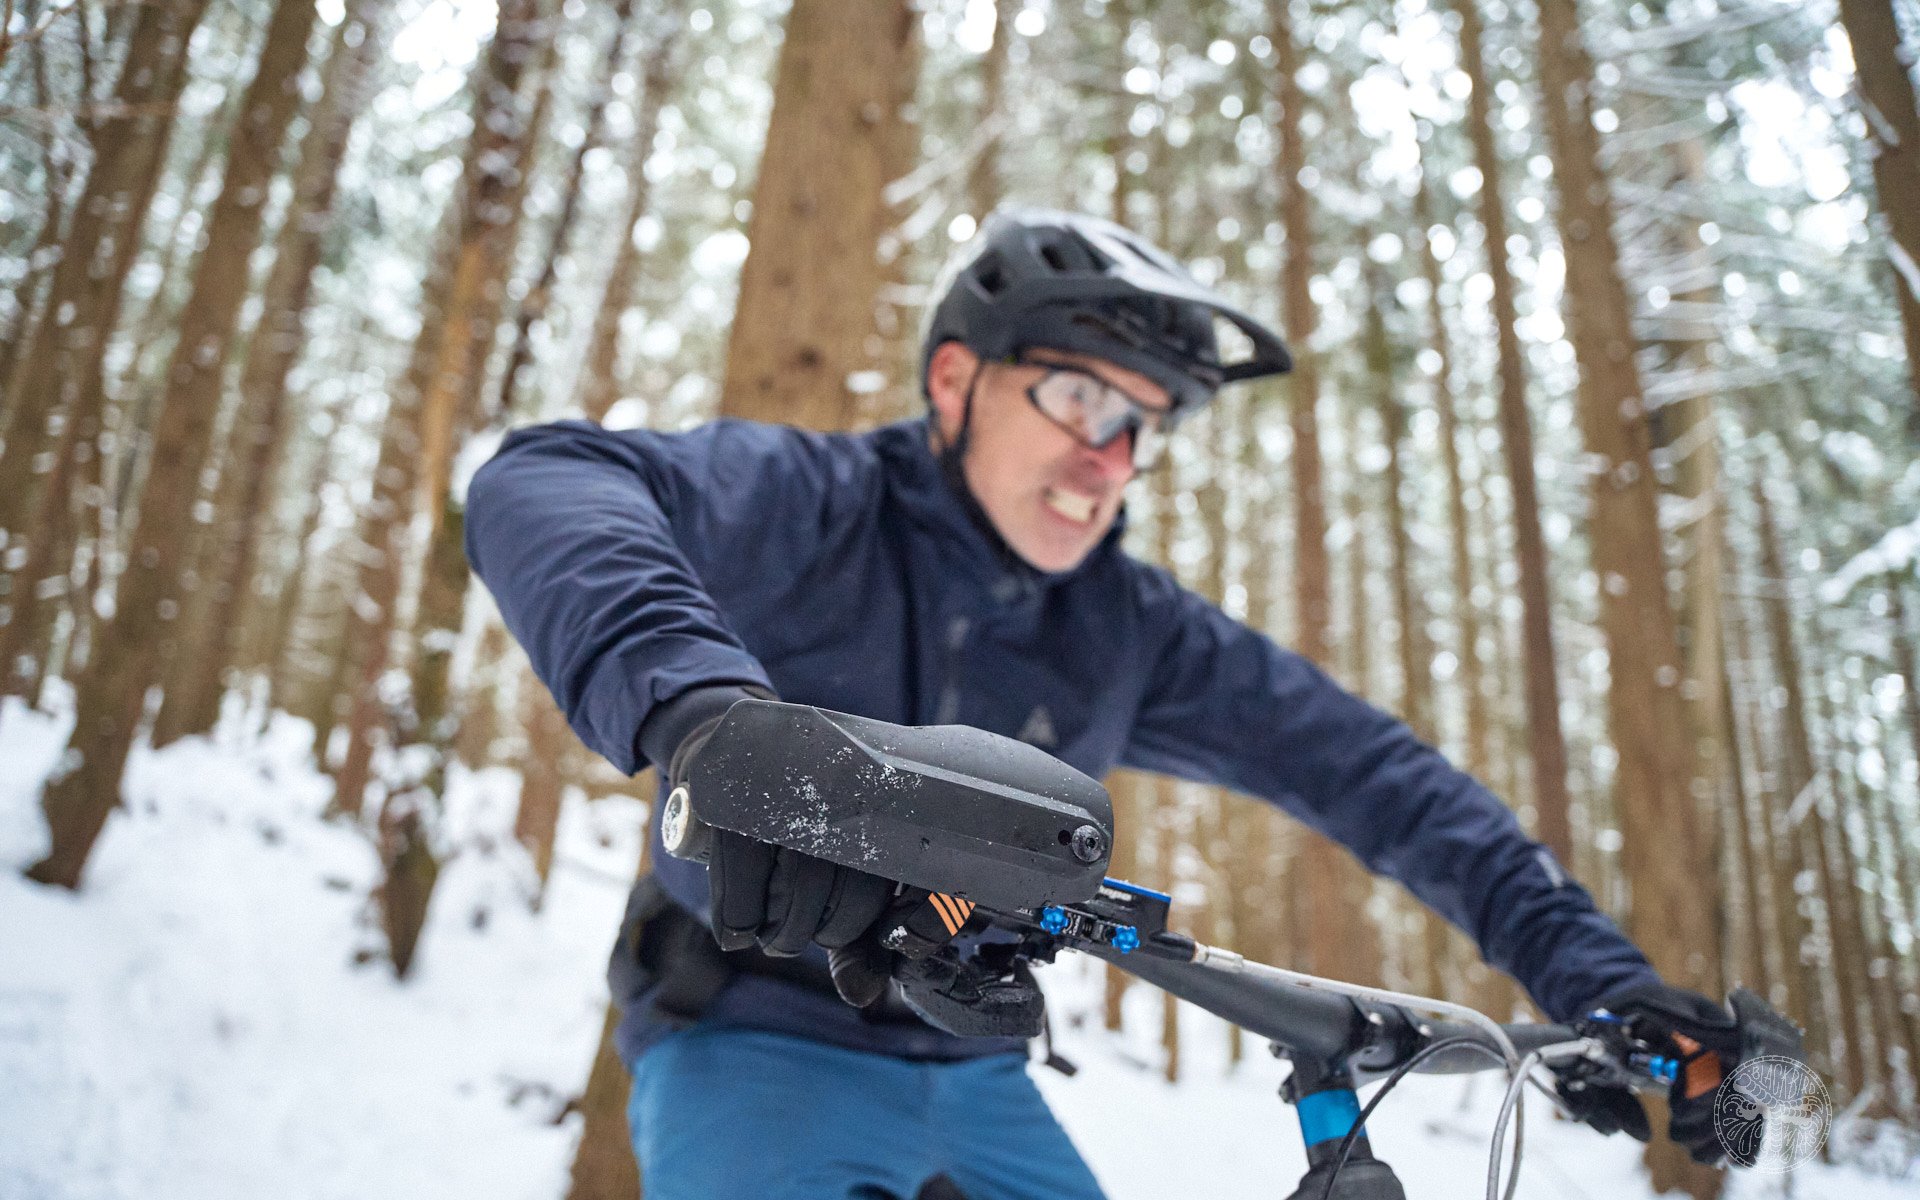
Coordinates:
<point>1718,25</point>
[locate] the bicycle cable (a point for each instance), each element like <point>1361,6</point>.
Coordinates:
<point>1510,1108</point>
<point>1400,1072</point>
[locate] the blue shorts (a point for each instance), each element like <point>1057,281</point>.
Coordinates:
<point>723,1112</point>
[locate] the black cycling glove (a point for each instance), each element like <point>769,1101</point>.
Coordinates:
<point>761,893</point>
<point>1700,1035</point>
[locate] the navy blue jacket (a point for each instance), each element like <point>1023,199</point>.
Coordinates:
<point>844,571</point>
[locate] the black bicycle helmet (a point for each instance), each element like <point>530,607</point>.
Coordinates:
<point>1040,278</point>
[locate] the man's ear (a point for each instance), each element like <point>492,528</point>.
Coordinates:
<point>949,374</point>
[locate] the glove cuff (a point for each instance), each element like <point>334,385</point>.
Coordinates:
<point>671,722</point>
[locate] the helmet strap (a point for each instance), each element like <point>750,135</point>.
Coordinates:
<point>952,456</point>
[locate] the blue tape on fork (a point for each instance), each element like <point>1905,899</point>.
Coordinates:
<point>1327,1115</point>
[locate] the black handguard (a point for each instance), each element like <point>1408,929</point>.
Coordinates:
<point>946,808</point>
<point>960,817</point>
<point>1765,1032</point>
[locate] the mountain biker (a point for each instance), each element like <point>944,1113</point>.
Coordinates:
<point>965,568</point>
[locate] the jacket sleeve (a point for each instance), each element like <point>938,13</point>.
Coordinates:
<point>1227,706</point>
<point>578,532</point>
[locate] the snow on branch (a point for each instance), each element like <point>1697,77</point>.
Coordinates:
<point>1681,32</point>
<point>1893,552</point>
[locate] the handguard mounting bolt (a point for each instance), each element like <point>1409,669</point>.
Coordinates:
<point>1089,844</point>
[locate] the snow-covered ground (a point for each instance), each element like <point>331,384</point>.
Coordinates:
<point>208,1018</point>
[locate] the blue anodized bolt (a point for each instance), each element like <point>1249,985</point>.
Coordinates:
<point>1053,919</point>
<point>1126,939</point>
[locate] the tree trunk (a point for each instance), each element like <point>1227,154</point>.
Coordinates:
<point>818,198</point>
<point>411,818</point>
<point>60,373</point>
<point>425,408</point>
<point>1438,950</point>
<point>1895,971</point>
<point>1907,662</point>
<point>985,184</point>
<point>1666,850</point>
<point>1737,831</point>
<point>1313,602</point>
<point>1466,611</point>
<point>1324,912</point>
<point>1811,824</point>
<point>1547,746</point>
<point>1883,74</point>
<point>818,213</point>
<point>193,702</point>
<point>1789,934</point>
<point>600,379</point>
<point>111,693</point>
<point>542,779</point>
<point>533,307</point>
<point>1358,642</point>
<point>293,587</point>
<point>56,174</point>
<point>603,1166</point>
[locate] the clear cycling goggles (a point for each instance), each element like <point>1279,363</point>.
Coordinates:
<point>1095,412</point>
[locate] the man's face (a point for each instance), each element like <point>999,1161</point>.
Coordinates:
<point>1050,496</point>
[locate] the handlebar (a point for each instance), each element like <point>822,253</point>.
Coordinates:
<point>1373,1038</point>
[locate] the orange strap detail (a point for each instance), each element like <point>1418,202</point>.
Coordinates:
<point>1703,1072</point>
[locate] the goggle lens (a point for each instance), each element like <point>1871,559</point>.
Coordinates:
<point>1095,412</point>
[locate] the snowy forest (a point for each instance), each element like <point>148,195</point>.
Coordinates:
<point>1600,467</point>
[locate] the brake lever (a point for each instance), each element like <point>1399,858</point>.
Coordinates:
<point>1620,1060</point>
<point>974,996</point>
<point>990,991</point>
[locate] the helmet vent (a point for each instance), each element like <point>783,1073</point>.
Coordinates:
<point>989,275</point>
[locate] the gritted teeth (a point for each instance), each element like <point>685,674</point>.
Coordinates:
<point>1074,506</point>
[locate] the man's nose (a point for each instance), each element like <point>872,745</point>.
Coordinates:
<point>1115,459</point>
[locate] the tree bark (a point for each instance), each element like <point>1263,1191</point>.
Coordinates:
<point>1358,644</point>
<point>111,693</point>
<point>818,213</point>
<point>425,407</point>
<point>59,376</point>
<point>542,779</point>
<point>1885,80</point>
<point>56,176</point>
<point>1812,825</point>
<point>1466,612</point>
<point>193,702</point>
<point>533,307</point>
<point>985,184</point>
<point>1546,743</point>
<point>1666,849</point>
<point>293,586</point>
<point>1907,662</point>
<point>603,1166</point>
<point>817,200</point>
<point>411,818</point>
<point>600,380</point>
<point>1795,988</point>
<point>1313,603</point>
<point>1324,912</point>
<point>1895,971</point>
